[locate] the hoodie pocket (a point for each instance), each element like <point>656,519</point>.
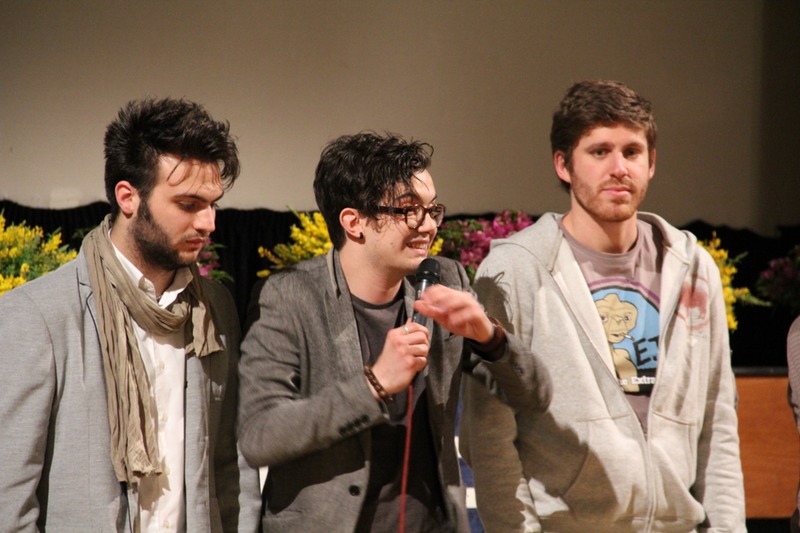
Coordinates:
<point>673,444</point>
<point>612,480</point>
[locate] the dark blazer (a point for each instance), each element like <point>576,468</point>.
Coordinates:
<point>305,405</point>
<point>55,445</point>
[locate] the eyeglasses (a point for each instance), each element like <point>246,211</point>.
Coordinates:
<point>415,214</point>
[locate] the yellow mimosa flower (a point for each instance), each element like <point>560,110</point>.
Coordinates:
<point>26,255</point>
<point>727,271</point>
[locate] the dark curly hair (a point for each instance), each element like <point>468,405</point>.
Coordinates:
<point>146,129</point>
<point>360,171</point>
<point>592,103</point>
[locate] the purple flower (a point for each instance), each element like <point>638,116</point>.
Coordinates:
<point>469,240</point>
<point>208,263</point>
<point>780,281</point>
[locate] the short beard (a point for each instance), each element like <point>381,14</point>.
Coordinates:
<point>153,243</point>
<point>613,213</point>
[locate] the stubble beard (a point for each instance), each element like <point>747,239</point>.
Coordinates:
<point>153,242</point>
<point>613,211</point>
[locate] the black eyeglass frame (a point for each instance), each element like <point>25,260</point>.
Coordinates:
<point>419,211</point>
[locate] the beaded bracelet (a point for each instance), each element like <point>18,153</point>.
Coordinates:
<point>382,393</point>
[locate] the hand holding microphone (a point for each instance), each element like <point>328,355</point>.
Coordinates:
<point>405,350</point>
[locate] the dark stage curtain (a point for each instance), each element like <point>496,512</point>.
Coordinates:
<point>73,223</point>
<point>241,232</point>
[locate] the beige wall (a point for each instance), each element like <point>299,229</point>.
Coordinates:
<point>477,79</point>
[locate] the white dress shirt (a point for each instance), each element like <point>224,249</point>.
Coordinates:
<point>161,498</point>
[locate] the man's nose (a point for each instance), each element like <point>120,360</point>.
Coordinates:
<point>619,164</point>
<point>205,220</point>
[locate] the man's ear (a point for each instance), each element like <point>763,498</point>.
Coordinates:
<point>128,198</point>
<point>350,219</point>
<point>652,163</point>
<point>560,164</point>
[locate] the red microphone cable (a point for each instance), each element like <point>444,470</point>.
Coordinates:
<point>406,459</point>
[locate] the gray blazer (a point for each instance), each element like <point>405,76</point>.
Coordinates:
<point>305,405</point>
<point>55,446</point>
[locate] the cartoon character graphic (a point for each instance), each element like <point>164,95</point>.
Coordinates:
<point>619,318</point>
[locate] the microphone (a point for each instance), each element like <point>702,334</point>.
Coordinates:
<point>427,275</point>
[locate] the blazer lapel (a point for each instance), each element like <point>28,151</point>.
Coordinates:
<point>342,322</point>
<point>344,331</point>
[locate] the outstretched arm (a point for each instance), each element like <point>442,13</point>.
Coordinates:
<point>458,312</point>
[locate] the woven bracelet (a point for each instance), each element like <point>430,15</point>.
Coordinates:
<point>385,396</point>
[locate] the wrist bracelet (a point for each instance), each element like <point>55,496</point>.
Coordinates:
<point>498,337</point>
<point>382,393</point>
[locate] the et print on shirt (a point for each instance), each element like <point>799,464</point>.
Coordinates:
<point>631,323</point>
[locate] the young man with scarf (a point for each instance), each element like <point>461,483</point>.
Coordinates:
<point>349,402</point>
<point>118,370</point>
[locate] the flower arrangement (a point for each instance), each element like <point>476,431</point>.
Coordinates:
<point>26,254</point>
<point>310,239</point>
<point>727,270</point>
<point>208,263</point>
<point>780,282</point>
<point>467,240</point>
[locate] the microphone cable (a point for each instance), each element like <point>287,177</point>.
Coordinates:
<point>406,459</point>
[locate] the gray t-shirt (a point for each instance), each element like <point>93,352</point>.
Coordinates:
<point>626,289</point>
<point>424,510</point>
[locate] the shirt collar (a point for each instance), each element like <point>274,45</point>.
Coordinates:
<point>183,276</point>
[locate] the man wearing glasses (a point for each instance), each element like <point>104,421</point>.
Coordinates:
<point>348,401</point>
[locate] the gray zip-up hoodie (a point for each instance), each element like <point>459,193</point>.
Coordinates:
<point>585,463</point>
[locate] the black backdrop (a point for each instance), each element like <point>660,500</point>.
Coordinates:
<point>759,342</point>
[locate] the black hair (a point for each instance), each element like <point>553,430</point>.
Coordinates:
<point>146,129</point>
<point>360,171</point>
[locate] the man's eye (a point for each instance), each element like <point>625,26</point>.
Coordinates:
<point>188,206</point>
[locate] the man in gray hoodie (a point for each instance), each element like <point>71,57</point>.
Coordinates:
<point>627,314</point>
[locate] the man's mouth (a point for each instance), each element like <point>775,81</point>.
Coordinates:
<point>197,242</point>
<point>419,245</point>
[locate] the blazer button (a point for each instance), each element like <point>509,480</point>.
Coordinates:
<point>354,490</point>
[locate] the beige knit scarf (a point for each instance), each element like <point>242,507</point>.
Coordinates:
<point>134,442</point>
